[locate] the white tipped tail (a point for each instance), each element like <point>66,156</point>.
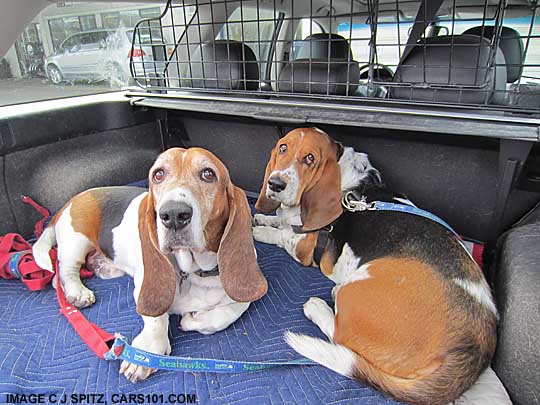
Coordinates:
<point>335,357</point>
<point>437,387</point>
<point>42,247</point>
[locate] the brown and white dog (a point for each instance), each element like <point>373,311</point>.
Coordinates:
<point>413,313</point>
<point>192,218</point>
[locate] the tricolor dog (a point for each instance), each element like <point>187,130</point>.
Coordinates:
<point>193,219</point>
<point>413,314</point>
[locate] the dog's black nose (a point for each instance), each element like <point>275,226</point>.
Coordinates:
<point>276,184</point>
<point>175,215</point>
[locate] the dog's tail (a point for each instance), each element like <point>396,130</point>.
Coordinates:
<point>440,385</point>
<point>42,247</point>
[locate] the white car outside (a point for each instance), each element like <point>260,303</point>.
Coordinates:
<point>104,54</point>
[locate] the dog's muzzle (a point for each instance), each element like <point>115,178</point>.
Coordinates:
<point>276,184</point>
<point>175,215</point>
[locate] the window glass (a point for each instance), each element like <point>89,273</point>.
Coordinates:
<point>129,18</point>
<point>61,28</point>
<point>88,22</point>
<point>150,12</point>
<point>389,35</point>
<point>70,43</point>
<point>256,24</point>
<point>75,48</point>
<point>305,28</point>
<point>87,39</point>
<point>110,20</point>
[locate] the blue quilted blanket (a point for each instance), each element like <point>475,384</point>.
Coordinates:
<point>40,353</point>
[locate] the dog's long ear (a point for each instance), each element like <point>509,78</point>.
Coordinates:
<point>265,204</point>
<point>159,282</point>
<point>240,275</point>
<point>321,202</point>
<point>339,149</point>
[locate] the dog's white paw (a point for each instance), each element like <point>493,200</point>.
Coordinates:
<point>259,233</point>
<point>198,322</point>
<point>320,313</point>
<point>266,234</point>
<point>314,307</point>
<point>187,323</point>
<point>259,219</point>
<point>266,220</point>
<point>135,373</point>
<point>80,296</point>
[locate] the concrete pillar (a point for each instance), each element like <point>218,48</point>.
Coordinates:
<point>11,57</point>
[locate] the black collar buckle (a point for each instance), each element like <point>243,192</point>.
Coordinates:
<point>207,273</point>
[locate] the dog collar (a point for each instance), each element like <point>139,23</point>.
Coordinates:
<point>322,241</point>
<point>207,273</point>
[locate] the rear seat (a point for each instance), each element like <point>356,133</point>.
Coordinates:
<point>324,64</point>
<point>461,60</point>
<point>511,46</point>
<point>517,286</point>
<point>520,94</point>
<point>222,64</point>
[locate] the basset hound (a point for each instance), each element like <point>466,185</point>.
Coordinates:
<point>413,314</point>
<point>186,242</point>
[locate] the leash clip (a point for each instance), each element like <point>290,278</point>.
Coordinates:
<point>352,205</point>
<point>117,347</point>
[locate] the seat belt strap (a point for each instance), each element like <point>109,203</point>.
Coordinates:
<point>426,13</point>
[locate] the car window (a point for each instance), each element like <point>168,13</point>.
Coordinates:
<point>99,37</point>
<point>146,36</point>
<point>89,39</point>
<point>69,43</point>
<point>388,35</point>
<point>305,28</point>
<point>257,24</point>
<point>65,50</point>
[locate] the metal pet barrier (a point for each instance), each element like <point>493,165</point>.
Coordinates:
<point>478,54</point>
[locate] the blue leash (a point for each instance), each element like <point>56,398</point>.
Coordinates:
<point>352,205</point>
<point>409,209</point>
<point>122,350</point>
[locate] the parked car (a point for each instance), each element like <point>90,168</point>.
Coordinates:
<point>99,55</point>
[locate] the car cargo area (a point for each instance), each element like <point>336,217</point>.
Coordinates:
<point>451,120</point>
<point>452,176</point>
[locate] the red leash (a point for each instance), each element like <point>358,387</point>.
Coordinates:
<point>97,339</point>
<point>17,261</point>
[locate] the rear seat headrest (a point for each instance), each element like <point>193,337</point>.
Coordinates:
<point>324,46</point>
<point>323,65</point>
<point>469,59</point>
<point>222,64</point>
<point>511,46</point>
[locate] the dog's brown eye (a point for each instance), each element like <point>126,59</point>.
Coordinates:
<point>282,148</point>
<point>208,175</point>
<point>309,159</point>
<point>158,176</point>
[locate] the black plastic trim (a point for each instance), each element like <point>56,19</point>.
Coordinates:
<point>397,117</point>
<point>21,132</point>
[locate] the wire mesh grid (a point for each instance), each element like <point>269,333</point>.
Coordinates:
<point>477,53</point>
